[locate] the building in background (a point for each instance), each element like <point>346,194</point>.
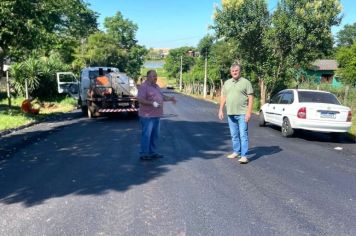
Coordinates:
<point>324,72</point>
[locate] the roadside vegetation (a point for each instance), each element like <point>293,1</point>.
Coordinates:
<point>13,117</point>
<point>52,37</point>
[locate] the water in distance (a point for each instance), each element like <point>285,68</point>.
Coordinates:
<point>153,64</point>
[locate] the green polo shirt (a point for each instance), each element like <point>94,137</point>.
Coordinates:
<point>236,92</point>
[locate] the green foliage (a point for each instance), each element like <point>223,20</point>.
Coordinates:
<point>301,30</point>
<point>40,75</point>
<point>173,61</point>
<point>161,72</point>
<point>122,30</point>
<point>223,53</point>
<point>13,117</point>
<point>205,45</point>
<point>101,50</point>
<point>346,36</point>
<point>273,47</point>
<point>244,23</point>
<point>41,25</point>
<point>135,60</point>
<point>346,57</point>
<point>116,47</point>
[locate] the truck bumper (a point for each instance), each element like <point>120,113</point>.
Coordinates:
<point>117,110</point>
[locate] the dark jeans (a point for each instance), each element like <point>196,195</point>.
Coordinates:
<point>149,136</point>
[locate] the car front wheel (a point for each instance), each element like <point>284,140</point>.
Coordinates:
<point>287,129</point>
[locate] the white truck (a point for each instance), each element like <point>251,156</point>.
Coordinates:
<point>100,90</point>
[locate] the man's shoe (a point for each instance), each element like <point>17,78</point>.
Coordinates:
<point>157,156</point>
<point>145,158</point>
<point>243,160</point>
<point>232,155</point>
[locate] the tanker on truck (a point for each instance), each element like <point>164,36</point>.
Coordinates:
<point>101,91</point>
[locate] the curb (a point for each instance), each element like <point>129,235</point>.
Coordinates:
<point>48,118</point>
<point>14,142</point>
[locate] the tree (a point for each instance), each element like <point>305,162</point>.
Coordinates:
<point>346,36</point>
<point>116,47</point>
<point>135,60</point>
<point>173,61</point>
<point>39,74</point>
<point>102,50</point>
<point>41,25</point>
<point>301,30</point>
<point>272,48</point>
<point>244,24</point>
<point>221,55</point>
<point>346,57</point>
<point>299,34</point>
<point>122,30</point>
<point>205,45</point>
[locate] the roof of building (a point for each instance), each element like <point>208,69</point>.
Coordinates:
<point>324,64</point>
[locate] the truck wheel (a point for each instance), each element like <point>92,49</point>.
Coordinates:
<point>287,129</point>
<point>84,110</point>
<point>90,112</point>
<point>134,114</point>
<point>82,105</point>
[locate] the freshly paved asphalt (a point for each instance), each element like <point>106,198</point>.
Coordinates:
<point>80,176</point>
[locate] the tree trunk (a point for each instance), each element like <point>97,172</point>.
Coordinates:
<point>2,56</point>
<point>8,88</point>
<point>263,90</point>
<point>26,88</point>
<point>346,94</point>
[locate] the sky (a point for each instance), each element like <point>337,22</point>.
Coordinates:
<point>177,23</point>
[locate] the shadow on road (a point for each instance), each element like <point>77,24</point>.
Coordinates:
<point>319,136</point>
<point>258,152</point>
<point>92,157</point>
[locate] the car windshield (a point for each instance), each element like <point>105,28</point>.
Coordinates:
<point>317,97</point>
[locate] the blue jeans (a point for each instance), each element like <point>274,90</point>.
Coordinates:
<point>149,136</point>
<point>239,134</point>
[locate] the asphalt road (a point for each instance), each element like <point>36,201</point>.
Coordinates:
<point>80,176</point>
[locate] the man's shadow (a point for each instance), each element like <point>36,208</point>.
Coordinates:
<point>258,152</point>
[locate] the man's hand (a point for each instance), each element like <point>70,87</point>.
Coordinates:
<point>247,117</point>
<point>221,114</point>
<point>155,104</point>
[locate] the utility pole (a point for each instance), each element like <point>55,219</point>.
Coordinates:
<point>181,71</point>
<point>205,76</point>
<point>8,88</point>
<point>26,88</point>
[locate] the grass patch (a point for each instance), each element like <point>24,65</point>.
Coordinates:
<point>162,75</point>
<point>12,117</point>
<point>160,72</point>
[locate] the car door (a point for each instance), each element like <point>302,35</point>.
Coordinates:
<point>67,83</point>
<point>283,108</point>
<point>271,115</point>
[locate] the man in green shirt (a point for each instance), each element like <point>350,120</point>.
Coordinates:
<point>237,94</point>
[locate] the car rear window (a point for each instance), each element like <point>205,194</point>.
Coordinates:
<point>317,97</point>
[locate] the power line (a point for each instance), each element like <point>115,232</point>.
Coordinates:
<point>180,39</point>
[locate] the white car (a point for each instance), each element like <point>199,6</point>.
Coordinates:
<point>313,110</point>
